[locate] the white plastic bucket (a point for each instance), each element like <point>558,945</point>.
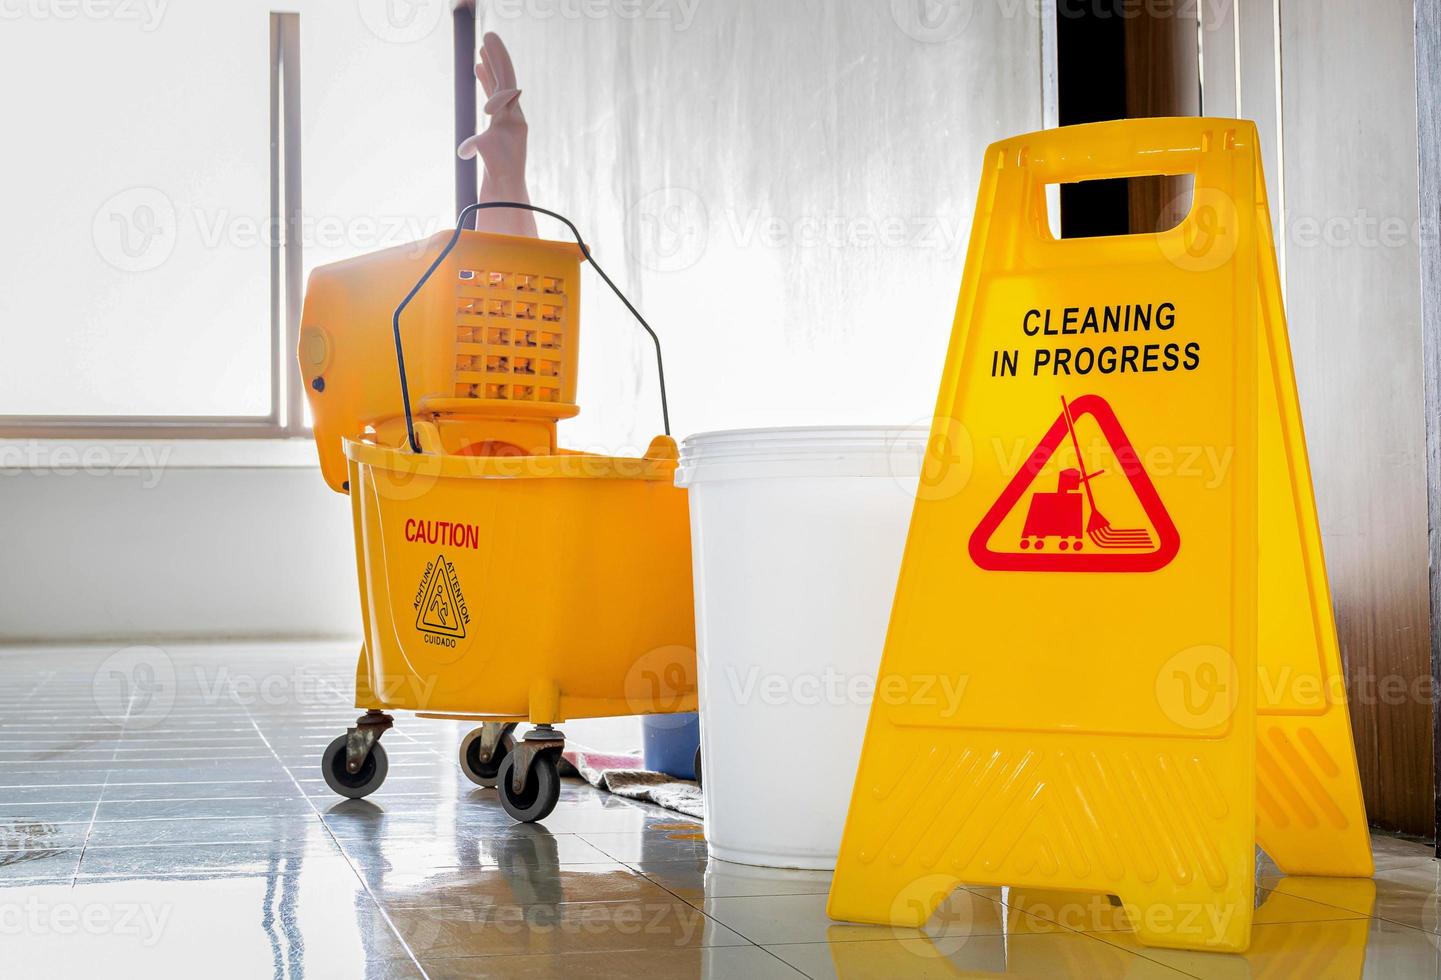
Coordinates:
<point>796,537</point>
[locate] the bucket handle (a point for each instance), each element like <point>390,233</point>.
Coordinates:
<point>460,222</point>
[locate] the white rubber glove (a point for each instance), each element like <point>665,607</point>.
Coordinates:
<point>502,146</point>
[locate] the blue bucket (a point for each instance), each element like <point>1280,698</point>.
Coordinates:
<point>670,743</point>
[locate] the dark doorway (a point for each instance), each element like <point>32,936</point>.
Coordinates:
<point>1116,59</point>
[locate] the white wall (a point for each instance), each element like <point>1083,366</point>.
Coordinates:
<point>785,188</point>
<point>162,541</point>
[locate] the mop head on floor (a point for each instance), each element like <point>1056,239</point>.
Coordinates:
<point>625,775</point>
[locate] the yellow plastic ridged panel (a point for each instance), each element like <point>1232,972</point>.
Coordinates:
<point>515,324</point>
<point>1094,600</point>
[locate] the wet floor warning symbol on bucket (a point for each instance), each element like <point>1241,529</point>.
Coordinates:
<point>442,608</point>
<point>1050,517</point>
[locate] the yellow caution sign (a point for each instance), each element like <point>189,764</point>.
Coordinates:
<point>1126,581</point>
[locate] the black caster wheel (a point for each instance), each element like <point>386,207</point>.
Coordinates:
<point>697,767</point>
<point>354,785</point>
<point>542,788</point>
<point>484,773</point>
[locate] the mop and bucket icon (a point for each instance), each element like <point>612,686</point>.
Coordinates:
<point>1064,530</point>
<point>1059,515</point>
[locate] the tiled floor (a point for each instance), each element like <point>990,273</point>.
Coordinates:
<point>162,814</point>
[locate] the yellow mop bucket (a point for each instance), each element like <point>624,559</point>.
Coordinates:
<point>502,579</point>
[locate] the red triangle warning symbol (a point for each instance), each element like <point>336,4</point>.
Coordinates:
<point>1064,530</point>
<point>442,610</point>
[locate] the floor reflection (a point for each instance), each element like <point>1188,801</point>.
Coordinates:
<point>1303,927</point>
<point>209,843</point>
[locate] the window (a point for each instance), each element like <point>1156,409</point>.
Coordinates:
<point>153,284</point>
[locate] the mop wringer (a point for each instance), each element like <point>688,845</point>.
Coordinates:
<point>502,578</point>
